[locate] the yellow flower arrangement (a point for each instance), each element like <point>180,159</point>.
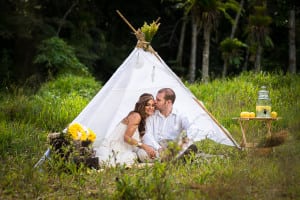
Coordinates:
<point>77,132</point>
<point>91,136</point>
<point>74,143</point>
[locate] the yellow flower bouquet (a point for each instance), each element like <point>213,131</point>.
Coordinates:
<point>75,143</point>
<point>79,133</point>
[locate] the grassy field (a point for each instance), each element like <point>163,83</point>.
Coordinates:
<point>26,118</point>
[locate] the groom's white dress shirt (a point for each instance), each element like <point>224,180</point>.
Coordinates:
<point>159,128</point>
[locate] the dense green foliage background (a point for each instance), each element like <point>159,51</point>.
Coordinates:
<point>27,116</point>
<point>96,38</point>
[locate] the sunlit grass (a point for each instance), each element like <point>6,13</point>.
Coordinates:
<point>222,172</point>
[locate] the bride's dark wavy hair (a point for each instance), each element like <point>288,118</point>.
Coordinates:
<point>140,108</point>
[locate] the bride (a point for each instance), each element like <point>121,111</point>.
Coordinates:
<point>122,144</point>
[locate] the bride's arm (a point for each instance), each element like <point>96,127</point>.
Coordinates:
<point>133,121</point>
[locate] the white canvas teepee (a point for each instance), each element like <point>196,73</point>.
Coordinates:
<point>141,72</point>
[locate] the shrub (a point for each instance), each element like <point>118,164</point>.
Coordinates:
<point>50,107</point>
<point>58,57</point>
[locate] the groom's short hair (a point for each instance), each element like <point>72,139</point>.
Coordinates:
<point>169,94</point>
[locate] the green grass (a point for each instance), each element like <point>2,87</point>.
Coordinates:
<point>26,118</point>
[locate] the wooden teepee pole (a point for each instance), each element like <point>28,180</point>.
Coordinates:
<point>126,21</point>
<point>157,20</point>
<point>148,48</point>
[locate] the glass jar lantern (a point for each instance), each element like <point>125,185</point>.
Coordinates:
<point>263,104</point>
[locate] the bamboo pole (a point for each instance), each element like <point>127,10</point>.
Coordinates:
<point>149,47</point>
<point>126,21</point>
<point>157,20</point>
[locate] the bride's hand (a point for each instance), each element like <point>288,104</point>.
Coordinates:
<point>150,151</point>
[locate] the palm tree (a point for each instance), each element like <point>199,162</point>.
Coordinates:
<point>230,42</point>
<point>258,27</point>
<point>205,14</point>
<point>231,52</point>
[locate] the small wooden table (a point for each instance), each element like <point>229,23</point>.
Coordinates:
<point>267,120</point>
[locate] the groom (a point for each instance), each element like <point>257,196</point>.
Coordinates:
<point>164,125</point>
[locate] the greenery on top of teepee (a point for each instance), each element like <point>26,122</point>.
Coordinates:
<point>149,30</point>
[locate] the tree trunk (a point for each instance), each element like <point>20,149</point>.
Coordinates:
<point>292,42</point>
<point>245,66</point>
<point>205,54</point>
<point>192,68</point>
<point>237,18</point>
<point>24,53</point>
<point>258,58</point>
<point>62,21</point>
<point>233,30</point>
<point>181,43</point>
<point>225,68</point>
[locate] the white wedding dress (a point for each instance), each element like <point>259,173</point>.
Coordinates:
<point>114,150</point>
